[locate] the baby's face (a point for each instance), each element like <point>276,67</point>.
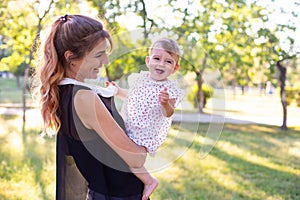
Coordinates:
<point>161,64</point>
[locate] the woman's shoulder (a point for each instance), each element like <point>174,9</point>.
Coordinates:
<point>74,85</point>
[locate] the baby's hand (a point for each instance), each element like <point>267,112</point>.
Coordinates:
<point>166,103</point>
<point>164,97</point>
<point>111,84</point>
<point>107,83</point>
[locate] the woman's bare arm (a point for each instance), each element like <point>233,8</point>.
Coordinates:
<point>94,115</point>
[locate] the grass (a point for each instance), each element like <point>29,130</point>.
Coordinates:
<point>247,162</point>
<point>10,93</point>
<point>27,161</point>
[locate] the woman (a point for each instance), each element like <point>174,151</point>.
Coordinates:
<point>93,152</point>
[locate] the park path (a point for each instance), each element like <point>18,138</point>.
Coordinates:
<point>251,108</point>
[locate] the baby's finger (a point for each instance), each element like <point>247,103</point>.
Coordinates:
<point>106,83</point>
<point>164,90</point>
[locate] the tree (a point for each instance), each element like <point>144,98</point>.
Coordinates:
<point>227,35</point>
<point>217,35</point>
<point>279,44</point>
<point>17,29</point>
<point>213,34</point>
<point>22,23</point>
<point>41,15</point>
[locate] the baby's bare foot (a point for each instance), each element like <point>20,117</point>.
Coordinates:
<point>149,188</point>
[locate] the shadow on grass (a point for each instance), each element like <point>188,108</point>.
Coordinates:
<point>261,178</point>
<point>8,117</point>
<point>273,175</point>
<point>266,141</point>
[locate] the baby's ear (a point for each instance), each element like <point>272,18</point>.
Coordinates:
<point>176,67</point>
<point>147,59</point>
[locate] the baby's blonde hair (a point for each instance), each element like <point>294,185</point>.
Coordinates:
<point>168,45</point>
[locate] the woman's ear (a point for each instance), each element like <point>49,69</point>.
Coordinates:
<point>68,54</point>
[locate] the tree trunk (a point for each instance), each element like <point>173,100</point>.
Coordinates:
<point>24,89</point>
<point>282,79</point>
<point>200,94</point>
<point>243,89</point>
<point>27,68</point>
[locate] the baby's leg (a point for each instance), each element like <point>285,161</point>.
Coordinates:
<point>150,183</point>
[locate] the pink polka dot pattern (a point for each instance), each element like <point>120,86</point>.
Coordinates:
<point>144,121</point>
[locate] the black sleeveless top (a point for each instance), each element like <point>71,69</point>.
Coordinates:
<point>84,160</point>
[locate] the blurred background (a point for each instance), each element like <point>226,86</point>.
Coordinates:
<point>240,62</point>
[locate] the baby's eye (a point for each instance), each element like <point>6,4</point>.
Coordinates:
<point>169,61</point>
<point>156,58</point>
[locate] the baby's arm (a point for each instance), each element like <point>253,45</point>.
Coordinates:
<point>167,104</point>
<point>121,93</point>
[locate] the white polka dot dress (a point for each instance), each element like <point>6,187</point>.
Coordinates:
<point>144,121</point>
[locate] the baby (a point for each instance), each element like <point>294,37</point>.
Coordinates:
<point>150,102</point>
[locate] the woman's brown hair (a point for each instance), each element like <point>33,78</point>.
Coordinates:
<point>76,33</point>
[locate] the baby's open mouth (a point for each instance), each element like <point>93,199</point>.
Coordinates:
<point>159,71</point>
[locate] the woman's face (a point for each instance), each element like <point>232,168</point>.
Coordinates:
<point>88,67</point>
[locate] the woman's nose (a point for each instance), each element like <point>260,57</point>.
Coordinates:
<point>105,59</point>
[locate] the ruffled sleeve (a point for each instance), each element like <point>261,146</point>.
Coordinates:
<point>176,92</point>
<point>108,91</point>
<point>134,80</point>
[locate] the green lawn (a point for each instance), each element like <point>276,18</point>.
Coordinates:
<point>10,93</point>
<point>248,162</point>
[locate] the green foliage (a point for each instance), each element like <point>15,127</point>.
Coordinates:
<point>19,32</point>
<point>128,56</point>
<point>208,92</point>
<point>20,23</point>
<point>292,95</point>
<point>231,36</point>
